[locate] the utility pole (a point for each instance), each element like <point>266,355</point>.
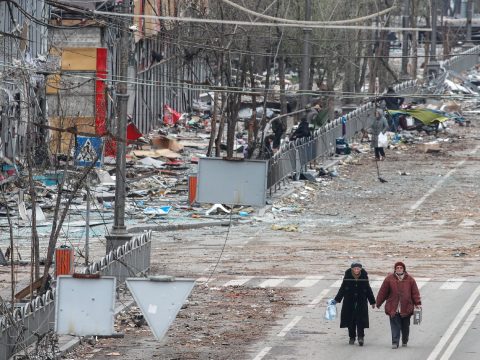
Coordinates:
<point>306,57</point>
<point>405,35</point>
<point>119,235</point>
<point>433,66</point>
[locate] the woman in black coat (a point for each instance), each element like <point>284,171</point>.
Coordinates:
<point>355,291</point>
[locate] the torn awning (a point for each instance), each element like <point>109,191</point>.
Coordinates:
<point>426,116</point>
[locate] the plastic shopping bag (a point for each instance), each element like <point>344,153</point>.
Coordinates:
<point>382,140</point>
<point>331,311</point>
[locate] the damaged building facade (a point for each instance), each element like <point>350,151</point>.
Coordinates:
<point>67,63</point>
<point>23,64</point>
<point>83,93</point>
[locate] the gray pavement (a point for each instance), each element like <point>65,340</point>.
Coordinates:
<point>303,333</point>
<point>428,218</point>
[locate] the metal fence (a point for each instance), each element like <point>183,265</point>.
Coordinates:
<point>464,61</point>
<point>34,319</point>
<point>295,156</point>
<point>129,260</point>
<point>27,324</point>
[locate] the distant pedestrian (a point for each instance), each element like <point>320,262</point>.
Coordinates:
<point>391,99</point>
<point>356,293</point>
<point>379,126</point>
<point>302,131</point>
<point>401,293</point>
<point>279,128</point>
<point>267,146</point>
<point>313,113</point>
<point>320,118</point>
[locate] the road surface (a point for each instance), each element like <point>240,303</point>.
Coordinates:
<point>267,287</point>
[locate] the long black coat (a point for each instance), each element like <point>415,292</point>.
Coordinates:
<point>356,294</point>
<point>302,131</point>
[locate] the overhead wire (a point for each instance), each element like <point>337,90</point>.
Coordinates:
<point>255,24</point>
<point>40,22</point>
<point>178,42</point>
<point>243,90</point>
<point>225,88</point>
<point>193,43</point>
<point>289,21</point>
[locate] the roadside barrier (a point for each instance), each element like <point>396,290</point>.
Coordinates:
<point>294,157</point>
<point>28,323</point>
<point>129,260</point>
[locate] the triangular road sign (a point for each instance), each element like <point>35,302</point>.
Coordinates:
<point>160,299</point>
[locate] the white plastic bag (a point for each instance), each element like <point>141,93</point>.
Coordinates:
<point>331,311</point>
<point>382,140</point>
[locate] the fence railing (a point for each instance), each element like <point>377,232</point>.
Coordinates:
<point>128,260</point>
<point>27,324</point>
<point>463,61</point>
<point>30,322</point>
<point>293,157</point>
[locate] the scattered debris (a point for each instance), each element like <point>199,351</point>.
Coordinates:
<point>430,147</point>
<point>288,228</point>
<point>216,208</point>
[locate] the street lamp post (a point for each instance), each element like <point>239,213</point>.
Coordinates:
<point>119,235</point>
<point>306,57</point>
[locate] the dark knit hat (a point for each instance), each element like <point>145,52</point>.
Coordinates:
<point>399,263</point>
<point>355,264</point>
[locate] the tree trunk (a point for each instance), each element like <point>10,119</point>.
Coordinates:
<point>360,79</point>
<point>427,47</point>
<point>413,24</point>
<point>330,90</point>
<point>231,122</point>
<point>446,42</point>
<point>281,76</point>
<point>221,126</point>
<point>351,66</point>
<point>348,81</point>
<point>372,64</point>
<point>253,120</point>
<point>213,123</point>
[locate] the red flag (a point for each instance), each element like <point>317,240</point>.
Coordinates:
<point>170,116</point>
<point>132,133</point>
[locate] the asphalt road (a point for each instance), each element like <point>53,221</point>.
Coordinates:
<point>449,329</point>
<point>427,215</point>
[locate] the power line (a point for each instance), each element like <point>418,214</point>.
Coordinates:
<point>255,91</point>
<point>257,24</point>
<point>289,21</point>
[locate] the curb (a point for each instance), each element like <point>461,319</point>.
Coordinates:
<point>187,226</point>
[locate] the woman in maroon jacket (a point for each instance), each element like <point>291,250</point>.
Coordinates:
<point>401,294</point>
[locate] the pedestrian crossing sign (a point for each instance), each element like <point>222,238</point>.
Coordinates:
<point>87,150</point>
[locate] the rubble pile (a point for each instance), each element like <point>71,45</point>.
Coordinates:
<point>219,319</point>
